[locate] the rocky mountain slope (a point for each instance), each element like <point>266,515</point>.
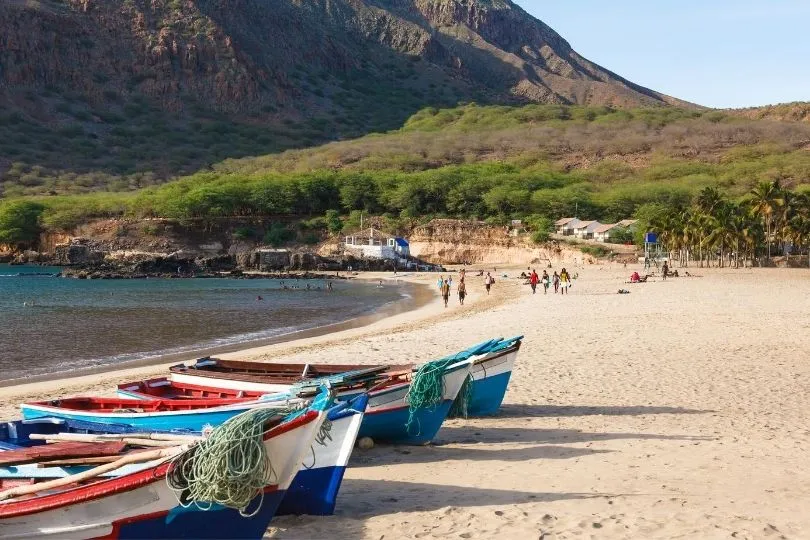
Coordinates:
<point>117,94</point>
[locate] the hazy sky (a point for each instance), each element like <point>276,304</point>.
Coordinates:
<point>719,53</point>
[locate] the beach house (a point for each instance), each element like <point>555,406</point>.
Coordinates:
<point>585,229</point>
<point>376,244</point>
<point>566,226</point>
<point>602,233</point>
<point>605,233</point>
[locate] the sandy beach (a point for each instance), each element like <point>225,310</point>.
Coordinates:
<point>679,410</point>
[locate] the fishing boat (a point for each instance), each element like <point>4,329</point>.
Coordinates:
<point>142,504</point>
<point>494,361</point>
<point>154,414</point>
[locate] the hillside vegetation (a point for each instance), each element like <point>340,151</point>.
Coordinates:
<point>479,162</point>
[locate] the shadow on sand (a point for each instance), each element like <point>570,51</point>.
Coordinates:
<point>389,455</point>
<point>363,499</point>
<point>394,496</point>
<point>523,411</point>
<point>477,434</point>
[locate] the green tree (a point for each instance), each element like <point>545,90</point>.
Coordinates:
<point>333,221</point>
<point>20,222</point>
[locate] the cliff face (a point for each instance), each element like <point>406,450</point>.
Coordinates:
<point>207,79</point>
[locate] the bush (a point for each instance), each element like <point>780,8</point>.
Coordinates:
<point>596,251</point>
<point>243,233</point>
<point>20,222</point>
<point>278,235</point>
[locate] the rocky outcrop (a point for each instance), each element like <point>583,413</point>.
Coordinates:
<point>452,241</point>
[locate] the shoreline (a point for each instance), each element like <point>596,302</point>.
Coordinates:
<point>417,296</point>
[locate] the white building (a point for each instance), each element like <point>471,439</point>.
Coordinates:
<point>605,232</point>
<point>602,233</point>
<point>566,226</point>
<point>375,244</point>
<point>585,229</point>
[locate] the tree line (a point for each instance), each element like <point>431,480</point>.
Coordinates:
<point>716,230</point>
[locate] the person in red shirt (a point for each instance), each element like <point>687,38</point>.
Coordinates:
<point>533,281</point>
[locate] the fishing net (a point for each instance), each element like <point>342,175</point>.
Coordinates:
<point>426,390</point>
<point>463,399</point>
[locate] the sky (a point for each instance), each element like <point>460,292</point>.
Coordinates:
<point>718,53</point>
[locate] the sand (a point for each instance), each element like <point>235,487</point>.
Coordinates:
<point>677,411</point>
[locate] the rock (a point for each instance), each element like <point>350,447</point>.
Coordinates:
<point>365,443</point>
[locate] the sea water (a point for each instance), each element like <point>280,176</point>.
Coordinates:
<point>50,324</point>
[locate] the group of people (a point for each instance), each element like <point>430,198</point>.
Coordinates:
<point>560,282</point>
<point>445,286</point>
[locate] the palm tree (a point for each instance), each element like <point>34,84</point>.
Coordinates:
<point>722,230</point>
<point>766,199</point>
<point>708,199</point>
<point>698,225</point>
<point>798,228</point>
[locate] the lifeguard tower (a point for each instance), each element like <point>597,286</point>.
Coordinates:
<point>654,252</point>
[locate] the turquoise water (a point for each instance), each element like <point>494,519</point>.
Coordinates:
<point>50,324</point>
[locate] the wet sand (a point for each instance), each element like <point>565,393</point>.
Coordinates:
<point>679,410</point>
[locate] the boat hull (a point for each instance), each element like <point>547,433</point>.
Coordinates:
<point>141,505</point>
<point>315,487</point>
<point>490,381</point>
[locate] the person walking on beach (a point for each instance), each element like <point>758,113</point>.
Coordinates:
<point>440,282</point>
<point>665,270</point>
<point>462,292</point>
<point>488,282</point>
<point>556,281</point>
<point>446,292</point>
<point>533,281</point>
<point>565,281</point>
<point>546,280</point>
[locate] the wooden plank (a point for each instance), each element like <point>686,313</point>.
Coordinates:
<point>77,461</point>
<point>60,450</point>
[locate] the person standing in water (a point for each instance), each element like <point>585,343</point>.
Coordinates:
<point>565,281</point>
<point>533,279</point>
<point>462,291</point>
<point>488,282</point>
<point>446,292</point>
<point>556,280</point>
<point>546,282</point>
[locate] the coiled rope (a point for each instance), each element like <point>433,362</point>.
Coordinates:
<point>230,468</point>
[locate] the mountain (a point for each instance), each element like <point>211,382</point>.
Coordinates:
<point>120,94</point>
